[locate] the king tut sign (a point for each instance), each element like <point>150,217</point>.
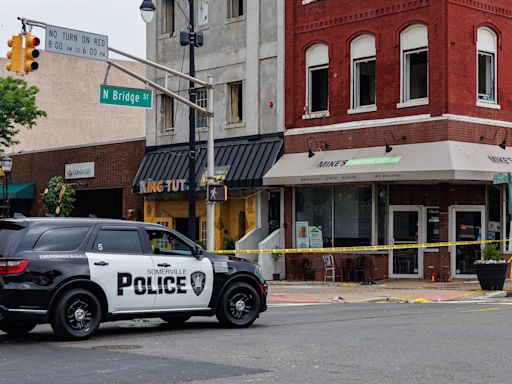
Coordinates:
<point>161,186</point>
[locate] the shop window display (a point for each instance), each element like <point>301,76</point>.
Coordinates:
<point>348,207</point>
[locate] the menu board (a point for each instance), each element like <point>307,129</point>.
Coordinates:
<point>432,225</point>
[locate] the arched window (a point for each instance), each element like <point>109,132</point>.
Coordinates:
<point>317,79</point>
<point>362,57</point>
<point>486,67</point>
<point>414,65</point>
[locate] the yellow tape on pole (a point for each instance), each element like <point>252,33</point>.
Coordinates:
<point>369,248</point>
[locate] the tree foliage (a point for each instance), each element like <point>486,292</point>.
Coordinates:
<point>58,198</point>
<point>17,108</point>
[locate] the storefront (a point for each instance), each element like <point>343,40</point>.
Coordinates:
<point>239,163</point>
<point>102,176</point>
<point>429,192</point>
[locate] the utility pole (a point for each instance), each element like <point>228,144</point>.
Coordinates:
<point>192,132</point>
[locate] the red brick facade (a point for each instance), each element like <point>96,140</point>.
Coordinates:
<point>115,167</point>
<point>452,26</point>
<point>451,113</point>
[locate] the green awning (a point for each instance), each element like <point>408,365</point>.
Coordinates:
<point>26,191</point>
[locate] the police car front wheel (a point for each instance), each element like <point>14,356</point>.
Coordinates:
<point>16,328</point>
<point>239,306</point>
<point>77,315</point>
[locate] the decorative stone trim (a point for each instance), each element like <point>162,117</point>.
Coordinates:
<point>374,13</point>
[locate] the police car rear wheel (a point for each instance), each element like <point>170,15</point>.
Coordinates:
<point>77,315</point>
<point>239,306</point>
<point>16,328</point>
<point>175,320</point>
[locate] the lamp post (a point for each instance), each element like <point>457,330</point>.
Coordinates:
<point>147,11</point>
<point>6,167</point>
<point>192,39</point>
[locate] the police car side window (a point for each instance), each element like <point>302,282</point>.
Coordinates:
<point>117,241</point>
<point>163,243</point>
<point>61,239</point>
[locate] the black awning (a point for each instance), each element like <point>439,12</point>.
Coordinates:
<point>243,162</point>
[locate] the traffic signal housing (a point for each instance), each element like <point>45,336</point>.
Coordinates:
<point>15,54</point>
<point>31,52</point>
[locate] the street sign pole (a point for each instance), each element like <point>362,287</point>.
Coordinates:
<point>210,205</point>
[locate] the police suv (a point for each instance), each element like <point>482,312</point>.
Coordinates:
<point>77,273</point>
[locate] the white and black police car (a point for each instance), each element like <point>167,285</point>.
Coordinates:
<point>77,273</point>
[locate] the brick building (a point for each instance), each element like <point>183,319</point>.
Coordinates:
<point>397,117</point>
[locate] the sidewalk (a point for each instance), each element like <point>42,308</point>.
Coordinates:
<point>383,291</point>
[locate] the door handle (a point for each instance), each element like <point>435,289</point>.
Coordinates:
<point>165,265</point>
<point>101,263</point>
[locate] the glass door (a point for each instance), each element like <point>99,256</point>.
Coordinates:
<point>405,228</point>
<point>467,224</point>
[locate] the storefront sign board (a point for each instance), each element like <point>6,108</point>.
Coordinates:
<point>79,171</point>
<point>161,186</point>
<point>316,239</point>
<point>302,234</point>
<point>220,174</point>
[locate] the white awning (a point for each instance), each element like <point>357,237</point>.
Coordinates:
<point>437,161</point>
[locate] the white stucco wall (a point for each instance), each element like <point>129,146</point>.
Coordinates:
<point>69,93</point>
<point>243,49</point>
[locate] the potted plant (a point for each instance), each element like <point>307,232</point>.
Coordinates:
<point>491,269</point>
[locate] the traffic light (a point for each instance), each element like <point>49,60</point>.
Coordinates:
<point>31,52</point>
<point>15,54</point>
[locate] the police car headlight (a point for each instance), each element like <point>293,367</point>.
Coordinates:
<point>259,270</point>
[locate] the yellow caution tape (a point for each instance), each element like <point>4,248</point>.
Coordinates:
<point>358,248</point>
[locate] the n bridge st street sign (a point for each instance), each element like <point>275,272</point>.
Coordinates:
<point>76,43</point>
<point>126,97</point>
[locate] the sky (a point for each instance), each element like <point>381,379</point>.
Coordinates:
<point>120,20</point>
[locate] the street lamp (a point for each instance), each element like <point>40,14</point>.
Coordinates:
<point>147,10</point>
<point>6,167</point>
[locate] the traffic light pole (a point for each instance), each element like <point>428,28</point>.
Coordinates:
<point>192,132</point>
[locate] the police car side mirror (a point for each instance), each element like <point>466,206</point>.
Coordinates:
<point>199,253</point>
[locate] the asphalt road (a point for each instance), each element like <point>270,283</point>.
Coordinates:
<point>339,343</point>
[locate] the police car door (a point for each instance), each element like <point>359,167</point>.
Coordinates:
<point>119,266</point>
<point>182,279</point>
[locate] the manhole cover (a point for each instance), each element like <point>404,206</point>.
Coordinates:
<point>117,347</point>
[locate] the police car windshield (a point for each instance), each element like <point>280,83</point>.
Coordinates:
<point>8,236</point>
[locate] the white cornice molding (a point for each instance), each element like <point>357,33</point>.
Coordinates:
<point>363,124</point>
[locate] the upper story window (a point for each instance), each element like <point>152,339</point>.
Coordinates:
<point>202,101</point>
<point>235,8</point>
<point>168,113</point>
<point>414,65</point>
<point>362,56</point>
<point>486,67</point>
<point>167,16</point>
<point>202,12</point>
<point>236,103</point>
<point>317,79</point>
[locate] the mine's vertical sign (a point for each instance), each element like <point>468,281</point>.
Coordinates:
<point>126,97</point>
<point>76,43</point>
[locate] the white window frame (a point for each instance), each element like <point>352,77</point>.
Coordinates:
<point>317,58</point>
<point>355,89</point>
<point>487,45</point>
<point>413,39</point>
<point>362,50</point>
<point>202,101</point>
<point>201,12</point>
